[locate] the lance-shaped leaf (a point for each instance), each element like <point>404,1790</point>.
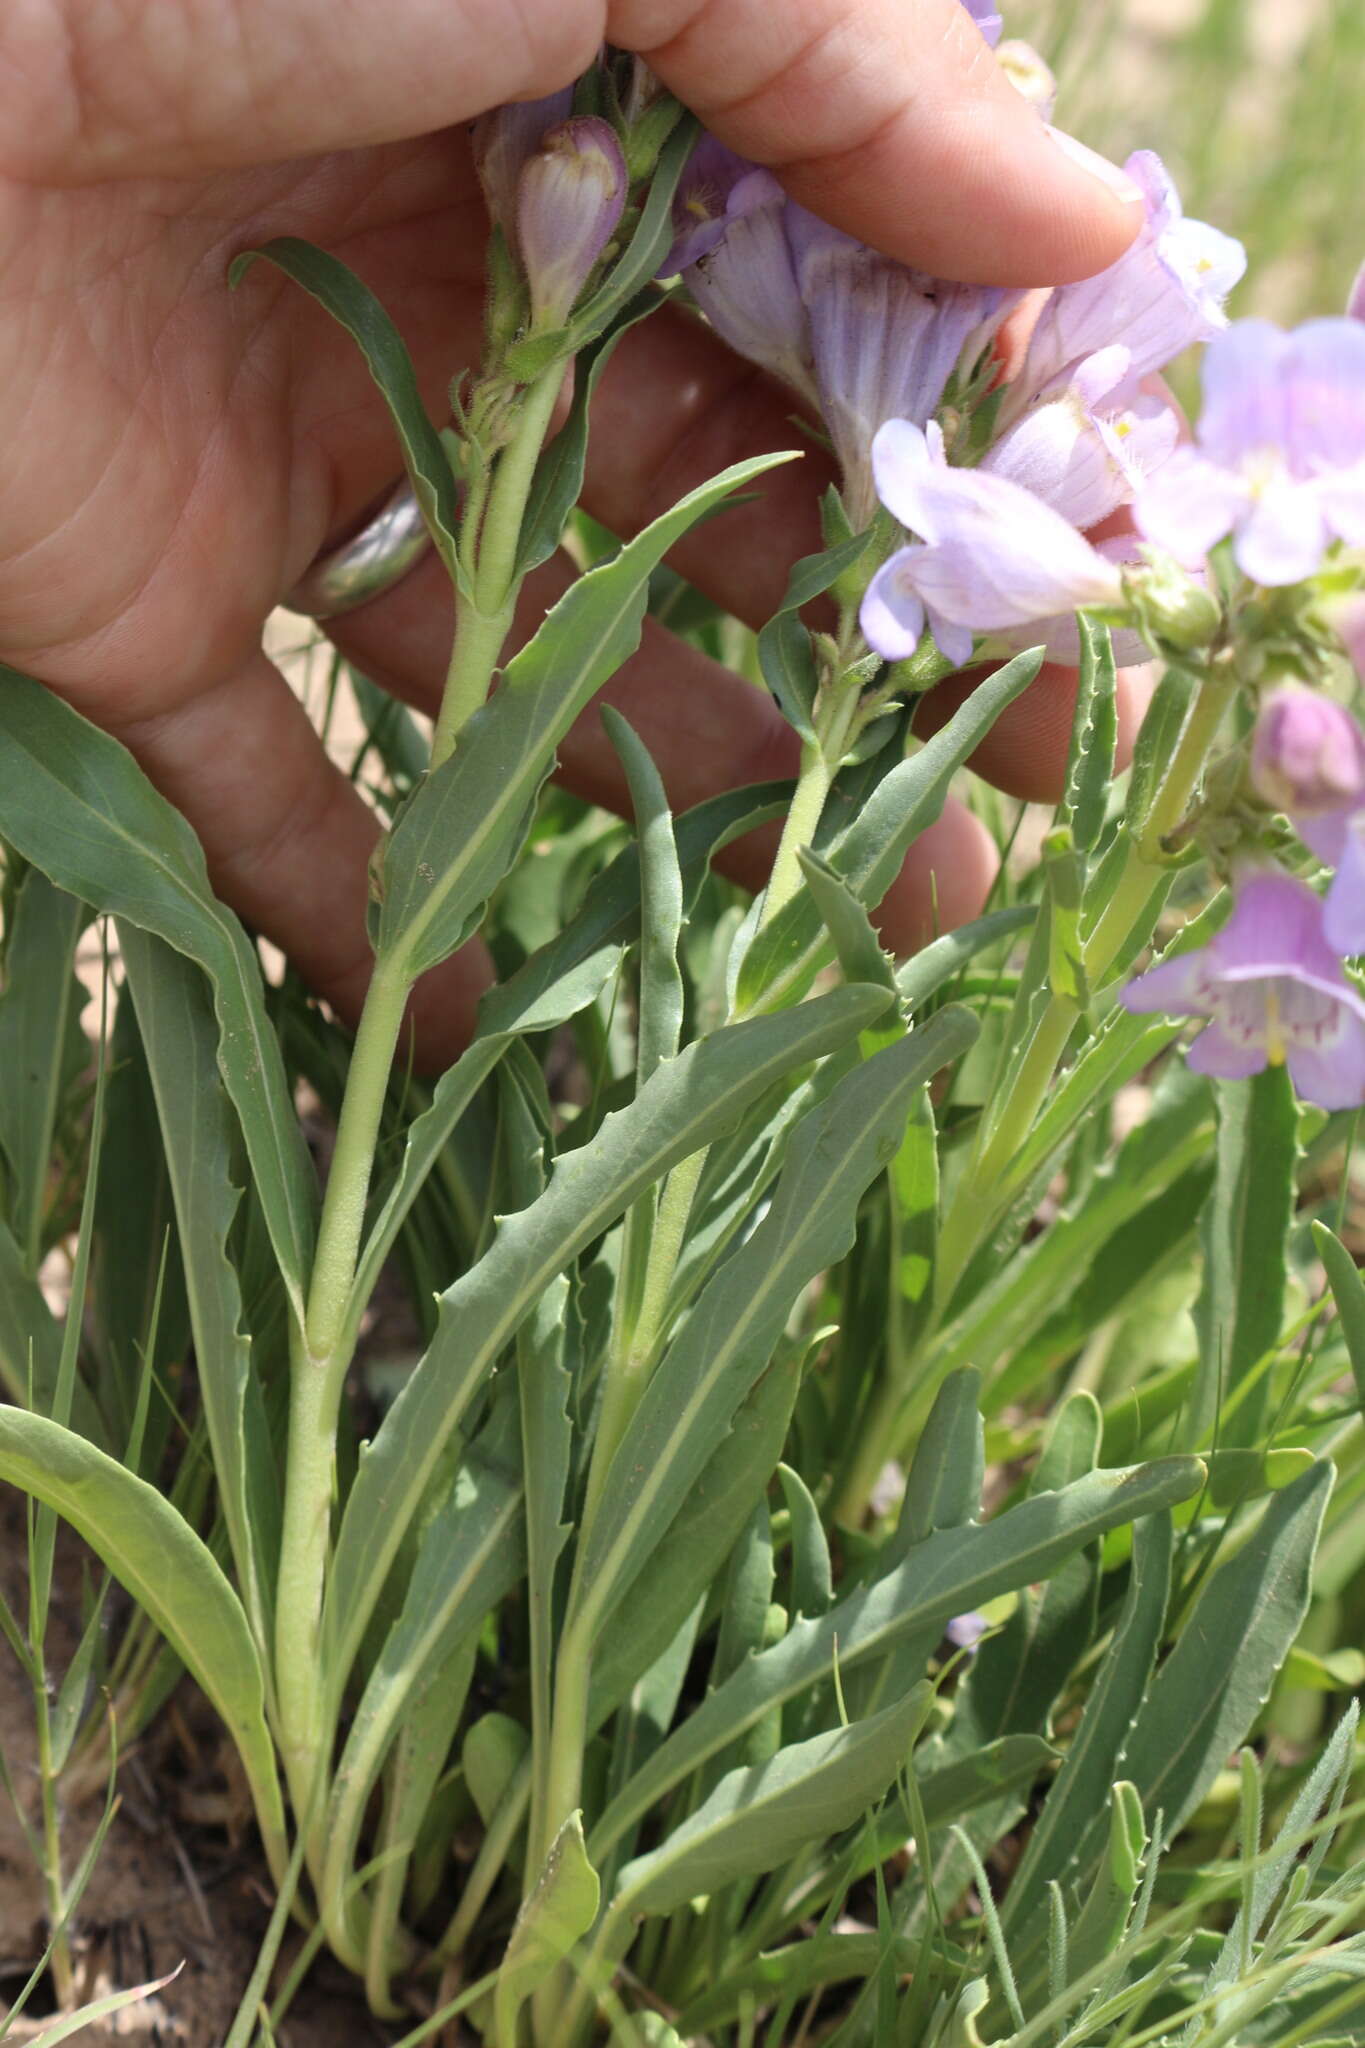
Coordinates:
<point>951,1572</point>
<point>157,1556</point>
<point>42,1046</point>
<point>730,1335</point>
<point>464,826</point>
<point>351,302</point>
<point>758,1816</point>
<point>77,805</point>
<point>559,1912</point>
<point>1348,1292</point>
<point>688,1102</point>
<point>1094,733</point>
<point>176,1023</point>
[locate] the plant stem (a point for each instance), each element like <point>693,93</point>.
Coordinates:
<point>483,618</point>
<point>62,1978</point>
<point>321,1354</point>
<point>798,830</point>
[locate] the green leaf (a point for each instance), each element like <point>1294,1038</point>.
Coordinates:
<point>730,1335</point>
<point>1103,1918</point>
<point>1215,1681</point>
<point>688,1101</point>
<point>925,972</point>
<point>464,826</point>
<point>812,1575</point>
<point>168,1571</point>
<point>352,303</point>
<point>559,1911</point>
<point>859,950</point>
<point>868,851</point>
<point>100,2009</point>
<point>785,654</point>
<point>544,1387</point>
<point>661,901</point>
<point>178,1034</point>
<point>42,1046</point>
<point>1064,881</point>
<point>757,1817</point>
<point>471,1554</point>
<point>559,472</point>
<point>1094,732</point>
<point>703,1534</point>
<point>1240,1310</point>
<point>1348,1292</point>
<point>951,1572</point>
<point>77,805</point>
<point>948,1471</point>
<point>567,973</point>
<point>1082,1784</point>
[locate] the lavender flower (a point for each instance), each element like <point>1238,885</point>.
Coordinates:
<point>863,337</point>
<point>1085,452</point>
<point>570,198</point>
<point>1275,993</point>
<point>987,18</point>
<point>884,341</point>
<point>1308,755</point>
<point>1280,461</point>
<point>990,556</point>
<point>1164,292</point>
<point>733,246</point>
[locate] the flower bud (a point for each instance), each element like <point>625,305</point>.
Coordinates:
<point>1028,74</point>
<point>570,198</point>
<point>1308,755</point>
<point>1174,606</point>
<point>502,142</point>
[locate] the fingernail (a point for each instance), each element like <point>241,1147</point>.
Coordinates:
<point>1098,166</point>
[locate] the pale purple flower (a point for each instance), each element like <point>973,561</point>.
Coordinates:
<point>989,555</point>
<point>701,204</point>
<point>1280,460</point>
<point>965,1631</point>
<point>1308,760</point>
<point>987,18</point>
<point>1084,452</point>
<point>1274,992</point>
<point>570,198</point>
<point>741,272</point>
<point>1166,291</point>
<point>502,142</point>
<point>1308,755</point>
<point>884,339</point>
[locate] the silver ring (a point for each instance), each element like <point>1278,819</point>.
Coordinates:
<point>366,565</point>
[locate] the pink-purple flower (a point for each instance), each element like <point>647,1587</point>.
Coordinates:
<point>987,18</point>
<point>1087,450</point>
<point>1280,459</point>
<point>1274,993</point>
<point>1308,760</point>
<point>1164,293</point>
<point>988,557</point>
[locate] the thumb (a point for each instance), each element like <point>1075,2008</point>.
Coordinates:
<point>892,119</point>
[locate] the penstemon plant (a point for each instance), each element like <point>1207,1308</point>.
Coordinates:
<point>606,1679</point>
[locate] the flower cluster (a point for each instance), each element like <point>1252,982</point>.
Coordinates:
<point>863,338</point>
<point>1273,983</point>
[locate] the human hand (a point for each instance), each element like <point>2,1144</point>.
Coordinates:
<point>176,456</point>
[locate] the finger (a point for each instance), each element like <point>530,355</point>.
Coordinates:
<point>892,119</point>
<point>288,842</point>
<point>1025,751</point>
<point>707,730</point>
<point>97,89</point>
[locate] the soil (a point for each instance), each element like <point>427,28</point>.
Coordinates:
<point>178,1881</point>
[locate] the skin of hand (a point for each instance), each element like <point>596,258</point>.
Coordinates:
<point>177,455</point>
